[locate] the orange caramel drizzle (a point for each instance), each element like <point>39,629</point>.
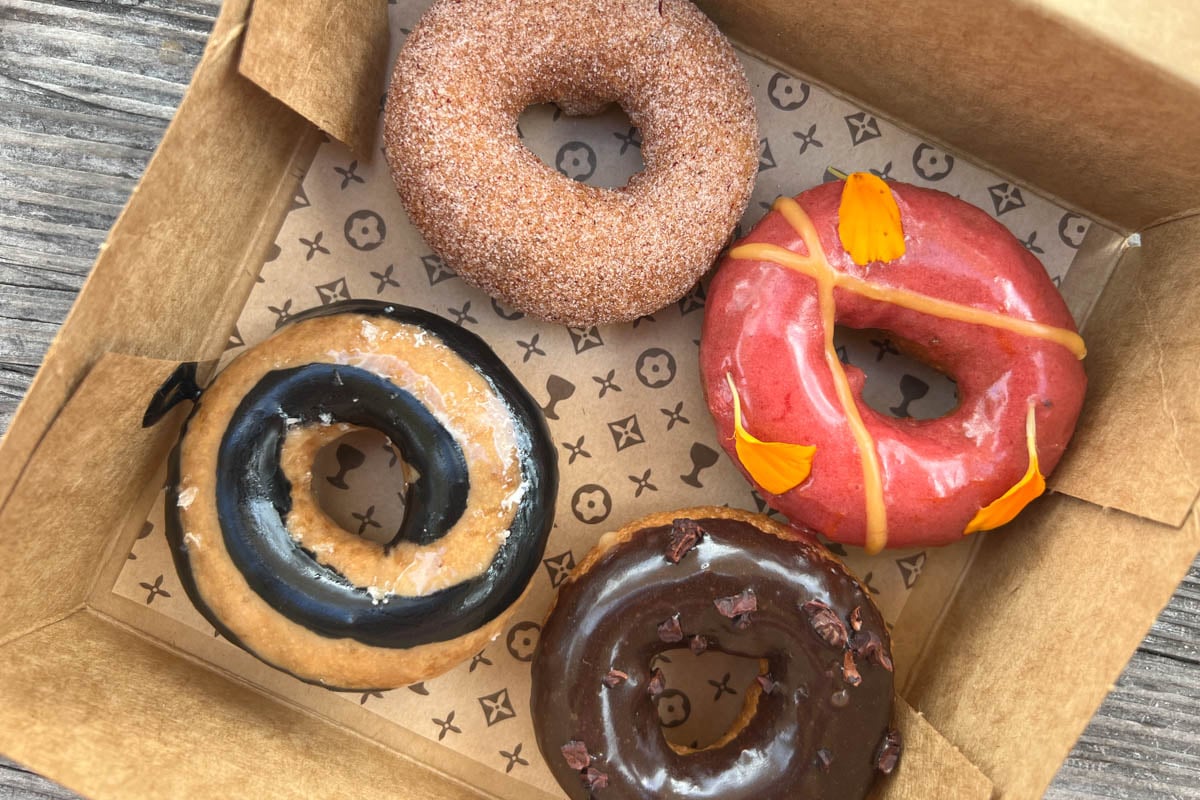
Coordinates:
<point>914,301</point>
<point>816,266</point>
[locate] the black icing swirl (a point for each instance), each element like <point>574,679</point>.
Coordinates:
<point>254,496</point>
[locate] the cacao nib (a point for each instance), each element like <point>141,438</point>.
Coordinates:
<point>826,623</point>
<point>594,779</point>
<point>824,759</point>
<point>865,644</point>
<point>685,534</point>
<point>767,683</point>
<point>850,670</point>
<point>670,631</point>
<point>738,604</point>
<point>657,684</point>
<point>576,754</point>
<point>888,754</point>
<point>615,677</point>
<point>698,644</point>
<point>856,618</point>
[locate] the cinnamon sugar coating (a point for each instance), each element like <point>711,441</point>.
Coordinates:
<point>539,241</point>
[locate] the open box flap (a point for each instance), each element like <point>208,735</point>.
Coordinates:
<point>113,462</point>
<point>1039,630</point>
<point>72,689</point>
<point>1162,32</point>
<point>1137,447</point>
<point>932,767</point>
<point>177,266</point>
<point>327,63</point>
<point>1030,92</point>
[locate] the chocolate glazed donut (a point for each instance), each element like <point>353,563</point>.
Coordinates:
<point>325,605</point>
<point>816,723</point>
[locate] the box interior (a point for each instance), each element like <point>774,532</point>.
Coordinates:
<point>1051,93</point>
<point>172,278</point>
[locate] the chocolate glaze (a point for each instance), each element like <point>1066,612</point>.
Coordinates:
<point>253,496</point>
<point>608,619</point>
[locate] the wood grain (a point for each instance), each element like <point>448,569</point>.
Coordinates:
<point>86,90</point>
<point>17,783</point>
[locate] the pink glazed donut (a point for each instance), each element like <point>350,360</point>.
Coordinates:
<point>960,294</point>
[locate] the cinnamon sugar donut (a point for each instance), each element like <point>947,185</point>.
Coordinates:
<point>541,242</point>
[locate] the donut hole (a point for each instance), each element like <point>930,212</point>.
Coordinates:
<point>603,150</point>
<point>360,481</point>
<point>707,696</point>
<point>898,384</point>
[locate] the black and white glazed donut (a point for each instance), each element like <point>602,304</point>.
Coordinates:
<point>274,574</point>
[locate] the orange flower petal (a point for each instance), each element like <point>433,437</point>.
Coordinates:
<point>775,466</point>
<point>869,220</point>
<point>1002,510</point>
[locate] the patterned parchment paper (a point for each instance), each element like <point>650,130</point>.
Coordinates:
<point>624,403</point>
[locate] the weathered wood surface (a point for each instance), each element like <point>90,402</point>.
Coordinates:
<point>86,90</point>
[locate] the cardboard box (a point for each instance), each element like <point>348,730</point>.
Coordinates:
<point>109,704</point>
